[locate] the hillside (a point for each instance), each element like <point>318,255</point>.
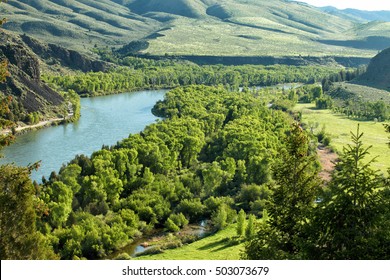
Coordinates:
<point>28,93</point>
<point>26,57</point>
<point>378,71</point>
<point>198,27</point>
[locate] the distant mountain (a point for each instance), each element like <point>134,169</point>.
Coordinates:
<point>198,27</point>
<point>378,71</point>
<point>358,15</point>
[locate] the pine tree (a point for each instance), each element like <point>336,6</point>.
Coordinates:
<point>350,222</point>
<point>297,185</point>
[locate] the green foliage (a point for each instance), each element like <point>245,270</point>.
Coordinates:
<point>250,229</point>
<point>219,218</point>
<point>5,123</point>
<point>171,226</point>
<point>349,220</point>
<point>360,102</point>
<point>323,137</point>
<point>241,223</point>
<point>187,168</point>
<point>254,197</point>
<point>324,103</point>
<point>18,204</point>
<point>351,216</point>
<point>169,75</point>
<point>175,222</point>
<point>297,185</point>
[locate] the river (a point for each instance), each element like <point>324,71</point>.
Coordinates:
<point>104,120</point>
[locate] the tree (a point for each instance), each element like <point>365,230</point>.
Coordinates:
<point>297,184</point>
<point>219,218</point>
<point>241,219</point>
<point>350,222</point>
<point>19,237</point>
<point>250,229</point>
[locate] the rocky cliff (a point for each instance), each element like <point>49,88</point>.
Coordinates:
<point>28,92</point>
<point>68,58</point>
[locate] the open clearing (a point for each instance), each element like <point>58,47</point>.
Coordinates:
<point>339,127</point>
<point>218,246</point>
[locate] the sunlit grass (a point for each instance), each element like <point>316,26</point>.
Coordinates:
<point>215,247</point>
<point>339,127</point>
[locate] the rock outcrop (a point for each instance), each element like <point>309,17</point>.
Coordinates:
<point>68,58</point>
<point>29,93</point>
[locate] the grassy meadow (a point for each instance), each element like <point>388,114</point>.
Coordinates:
<point>219,246</point>
<point>339,127</point>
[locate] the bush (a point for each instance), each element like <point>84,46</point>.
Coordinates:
<point>123,256</point>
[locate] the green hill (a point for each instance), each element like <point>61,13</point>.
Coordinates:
<point>186,8</point>
<point>378,71</point>
<point>199,27</point>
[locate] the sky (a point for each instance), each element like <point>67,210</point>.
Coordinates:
<point>370,5</point>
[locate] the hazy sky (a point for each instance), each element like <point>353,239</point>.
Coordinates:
<point>371,5</point>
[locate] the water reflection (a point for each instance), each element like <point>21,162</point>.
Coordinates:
<point>104,121</point>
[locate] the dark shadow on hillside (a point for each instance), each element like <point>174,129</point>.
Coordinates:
<point>213,245</point>
<point>371,43</point>
<point>257,27</point>
<point>229,244</point>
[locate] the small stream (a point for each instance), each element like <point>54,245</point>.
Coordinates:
<point>140,245</point>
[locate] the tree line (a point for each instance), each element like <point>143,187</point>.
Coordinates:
<point>181,74</point>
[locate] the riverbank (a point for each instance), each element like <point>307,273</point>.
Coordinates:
<point>22,128</point>
<point>104,121</point>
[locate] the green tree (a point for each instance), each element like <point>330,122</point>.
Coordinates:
<point>351,221</point>
<point>297,185</point>
<point>241,220</point>
<point>219,218</point>
<point>250,229</point>
<point>18,204</point>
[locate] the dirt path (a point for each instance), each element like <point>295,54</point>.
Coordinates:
<point>327,159</point>
<point>40,124</point>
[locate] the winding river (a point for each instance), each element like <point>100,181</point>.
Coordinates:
<point>104,120</point>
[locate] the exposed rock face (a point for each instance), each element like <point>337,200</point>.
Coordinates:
<point>65,57</point>
<point>24,83</point>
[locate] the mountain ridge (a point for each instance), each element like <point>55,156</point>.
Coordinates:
<point>197,27</point>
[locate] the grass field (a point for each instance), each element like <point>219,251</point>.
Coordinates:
<point>339,127</point>
<point>215,247</point>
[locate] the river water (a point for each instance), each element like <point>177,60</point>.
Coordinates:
<point>104,120</point>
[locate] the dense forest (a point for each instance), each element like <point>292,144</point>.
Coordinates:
<point>215,154</point>
<point>146,74</point>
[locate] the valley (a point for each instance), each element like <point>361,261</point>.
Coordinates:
<point>179,116</point>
